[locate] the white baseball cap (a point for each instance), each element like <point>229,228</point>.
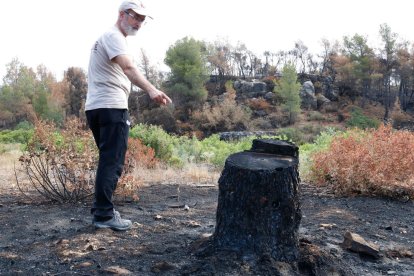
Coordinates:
<point>136,6</point>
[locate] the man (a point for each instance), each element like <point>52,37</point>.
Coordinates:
<point>110,74</point>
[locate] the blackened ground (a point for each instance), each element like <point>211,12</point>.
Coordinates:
<point>172,222</point>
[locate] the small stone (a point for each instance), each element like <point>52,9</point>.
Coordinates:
<point>84,264</point>
<point>356,243</point>
<point>327,225</point>
<point>193,224</point>
<point>206,235</point>
<point>118,270</point>
<point>186,208</point>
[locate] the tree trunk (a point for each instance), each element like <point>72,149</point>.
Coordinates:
<point>258,212</point>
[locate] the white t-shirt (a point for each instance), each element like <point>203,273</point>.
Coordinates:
<point>108,86</point>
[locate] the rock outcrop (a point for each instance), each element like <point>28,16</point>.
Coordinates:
<point>307,94</point>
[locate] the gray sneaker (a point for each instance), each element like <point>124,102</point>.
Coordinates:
<point>115,223</point>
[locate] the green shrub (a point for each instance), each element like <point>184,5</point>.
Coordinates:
<point>315,129</point>
<point>210,150</point>
<point>185,150</point>
<point>292,134</point>
<point>359,120</point>
<point>178,151</point>
<point>315,116</point>
<point>25,125</point>
<point>21,136</point>
<point>155,137</point>
<point>215,152</point>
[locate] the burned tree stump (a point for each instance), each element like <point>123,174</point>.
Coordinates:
<point>258,212</point>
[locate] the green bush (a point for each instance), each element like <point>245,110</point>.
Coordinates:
<point>178,151</point>
<point>315,116</point>
<point>188,149</point>
<point>20,136</point>
<point>359,120</point>
<point>25,125</point>
<point>215,152</point>
<point>292,134</point>
<point>155,137</point>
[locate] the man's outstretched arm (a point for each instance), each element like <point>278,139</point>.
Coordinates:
<point>138,79</point>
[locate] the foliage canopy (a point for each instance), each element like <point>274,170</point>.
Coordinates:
<point>188,70</point>
<point>288,89</point>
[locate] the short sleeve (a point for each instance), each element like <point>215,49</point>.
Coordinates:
<point>115,44</point>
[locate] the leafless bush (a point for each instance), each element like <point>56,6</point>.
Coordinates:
<point>224,116</point>
<point>259,104</point>
<point>58,164</point>
<point>260,124</point>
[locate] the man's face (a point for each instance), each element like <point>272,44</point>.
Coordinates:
<point>132,22</point>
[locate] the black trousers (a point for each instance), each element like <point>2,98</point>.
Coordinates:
<point>110,128</point>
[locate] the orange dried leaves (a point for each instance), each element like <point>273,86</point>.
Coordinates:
<point>368,162</point>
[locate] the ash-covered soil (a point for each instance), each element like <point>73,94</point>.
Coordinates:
<point>170,223</point>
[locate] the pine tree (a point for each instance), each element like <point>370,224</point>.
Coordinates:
<point>288,89</point>
<point>188,72</point>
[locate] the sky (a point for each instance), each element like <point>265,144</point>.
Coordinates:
<point>59,33</point>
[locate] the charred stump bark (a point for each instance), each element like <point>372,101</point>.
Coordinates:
<point>258,212</point>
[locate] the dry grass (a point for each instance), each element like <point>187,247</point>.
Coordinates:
<point>8,158</point>
<point>192,174</point>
